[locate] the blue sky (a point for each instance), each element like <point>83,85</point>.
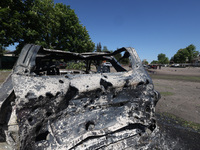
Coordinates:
<point>150,26</point>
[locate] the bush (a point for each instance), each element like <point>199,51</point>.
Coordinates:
<point>75,65</point>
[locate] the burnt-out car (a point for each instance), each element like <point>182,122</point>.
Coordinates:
<point>80,107</point>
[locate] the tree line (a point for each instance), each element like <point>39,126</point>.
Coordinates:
<point>44,23</point>
<point>183,55</point>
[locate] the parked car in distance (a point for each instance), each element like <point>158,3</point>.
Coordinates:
<point>107,64</point>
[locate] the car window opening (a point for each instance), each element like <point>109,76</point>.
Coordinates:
<point>52,62</point>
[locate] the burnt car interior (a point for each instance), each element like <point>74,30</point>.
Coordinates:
<point>56,62</point>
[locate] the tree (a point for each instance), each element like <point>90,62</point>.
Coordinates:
<point>162,59</point>
<point>2,50</point>
<point>181,56</point>
<point>118,56</point>
<point>171,60</point>
<point>186,54</point>
<point>192,53</point>
<point>145,62</point>
<point>10,21</point>
<point>76,36</point>
<point>44,23</point>
<point>98,47</point>
<point>154,62</point>
<point>122,59</point>
<point>105,49</point>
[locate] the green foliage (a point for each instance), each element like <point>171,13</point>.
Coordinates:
<point>192,53</point>
<point>76,37</point>
<point>2,50</point>
<point>75,65</point>
<point>145,62</point>
<point>185,55</point>
<point>98,47</point>
<point>125,61</point>
<point>172,60</point>
<point>39,20</point>
<point>105,49</point>
<point>162,59</point>
<point>10,21</point>
<point>118,56</point>
<point>181,56</point>
<point>120,59</point>
<point>44,23</point>
<point>154,62</point>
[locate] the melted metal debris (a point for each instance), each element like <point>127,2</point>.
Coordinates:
<point>92,106</point>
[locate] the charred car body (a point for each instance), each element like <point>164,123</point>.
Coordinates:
<point>45,107</point>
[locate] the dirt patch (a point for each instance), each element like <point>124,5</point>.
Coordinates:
<point>3,75</point>
<point>179,97</point>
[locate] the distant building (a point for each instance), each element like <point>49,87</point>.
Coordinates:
<point>9,53</point>
<point>196,61</point>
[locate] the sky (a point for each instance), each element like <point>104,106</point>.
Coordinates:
<point>150,26</point>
